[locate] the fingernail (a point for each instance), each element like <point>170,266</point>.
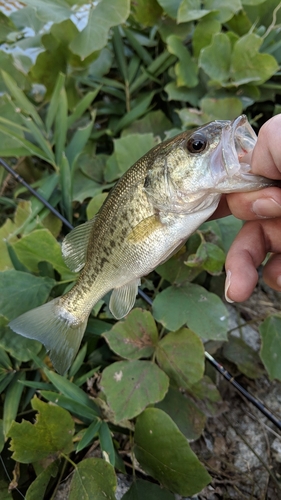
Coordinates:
<point>227,285</point>
<point>266,207</point>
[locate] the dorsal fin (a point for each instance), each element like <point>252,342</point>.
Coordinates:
<point>75,244</point>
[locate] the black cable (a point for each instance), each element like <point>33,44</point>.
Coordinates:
<point>144,296</point>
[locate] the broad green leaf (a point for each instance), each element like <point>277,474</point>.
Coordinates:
<point>164,453</point>
<point>21,291</point>
<point>147,13</point>
<point>248,65</point>
<point>53,429</point>
<point>229,226</point>
<point>102,17</point>
<point>130,386</point>
<point>215,59</point>
<point>227,108</point>
<point>93,479</point>
<point>12,401</point>
<point>127,150</point>
<point>95,204</point>
<point>84,187</point>
<point>11,229</point>
<point>191,304</point>
<point>51,10</point>
<point>203,34</point>
<point>154,122</point>
<point>270,331</point>
<point>190,10</point>
<point>209,257</point>
<point>224,10</point>
<point>246,359</point>
<point>181,355</point>
<point>206,391</point>
<point>170,7</point>
<point>36,490</point>
<point>38,246</point>
<point>19,347</point>
<point>185,94</point>
<point>141,489</point>
<point>184,412</point>
<point>186,69</point>
<point>135,337</point>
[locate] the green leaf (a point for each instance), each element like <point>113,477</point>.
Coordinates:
<point>203,33</point>
<point>164,453</point>
<point>52,10</point>
<point>19,291</point>
<point>135,337</point>
<point>69,389</point>
<point>136,112</point>
<point>8,145</point>
<point>186,69</point>
<point>66,187</point>
<point>127,150</point>
<point>90,433</point>
<point>83,411</point>
<point>77,143</point>
<point>11,229</point>
<point>170,7</point>
<point>130,386</point>
<point>38,246</point>
<point>225,10</point>
<point>227,108</point>
<point>19,347</point>
<point>106,443</point>
<point>95,204</point>
<point>181,355</point>
<point>93,479</point>
<point>248,65</point>
<point>36,490</point>
<point>184,412</point>
<point>191,304</point>
<point>21,100</point>
<point>246,359</point>
<point>270,331</point>
<point>215,59</point>
<point>82,106</point>
<point>190,10</point>
<point>141,489</point>
<point>102,17</point>
<point>12,401</point>
<point>54,102</point>
<point>53,429</point>
<point>209,257</point>
<point>229,227</point>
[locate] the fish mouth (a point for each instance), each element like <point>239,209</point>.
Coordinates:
<point>237,141</point>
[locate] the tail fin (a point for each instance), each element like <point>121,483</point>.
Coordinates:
<point>52,327</point>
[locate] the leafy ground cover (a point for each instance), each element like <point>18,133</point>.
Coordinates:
<point>86,89</point>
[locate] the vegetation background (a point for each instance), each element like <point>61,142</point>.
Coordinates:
<point>86,88</point>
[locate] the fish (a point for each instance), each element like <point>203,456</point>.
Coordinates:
<point>147,216</point>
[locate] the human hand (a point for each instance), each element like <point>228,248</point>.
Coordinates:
<point>262,209</point>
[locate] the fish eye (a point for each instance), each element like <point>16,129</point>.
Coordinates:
<point>197,143</point>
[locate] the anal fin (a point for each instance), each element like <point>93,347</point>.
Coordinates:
<point>123,298</point>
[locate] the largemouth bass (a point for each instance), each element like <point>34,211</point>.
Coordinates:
<point>157,204</point>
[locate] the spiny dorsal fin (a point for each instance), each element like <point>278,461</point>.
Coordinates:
<point>123,298</point>
<point>75,244</point>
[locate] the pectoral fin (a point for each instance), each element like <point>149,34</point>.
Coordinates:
<point>123,298</point>
<point>144,229</point>
<point>75,244</point>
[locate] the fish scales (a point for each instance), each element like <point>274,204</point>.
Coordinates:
<point>147,216</point>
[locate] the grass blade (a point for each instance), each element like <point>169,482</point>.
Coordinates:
<point>77,144</point>
<point>66,187</point>
<point>40,139</point>
<point>89,434</point>
<point>79,409</point>
<point>61,126</point>
<point>106,443</point>
<point>139,49</point>
<point>54,102</point>
<point>12,401</point>
<point>82,106</point>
